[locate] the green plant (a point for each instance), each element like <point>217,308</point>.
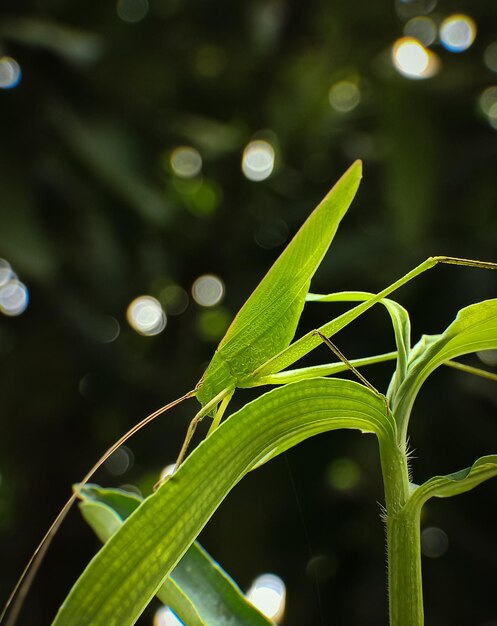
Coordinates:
<point>152,544</point>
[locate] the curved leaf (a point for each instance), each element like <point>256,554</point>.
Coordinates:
<point>122,503</point>
<point>105,522</point>
<point>474,329</point>
<point>456,483</point>
<point>123,577</point>
<point>266,323</point>
<point>198,591</point>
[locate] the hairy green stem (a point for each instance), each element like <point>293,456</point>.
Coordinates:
<point>404,569</point>
<point>403,541</point>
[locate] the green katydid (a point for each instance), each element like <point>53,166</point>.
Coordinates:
<point>213,379</point>
<point>122,578</point>
<point>257,346</point>
<point>132,566</point>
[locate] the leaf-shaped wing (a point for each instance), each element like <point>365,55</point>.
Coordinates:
<point>266,323</point>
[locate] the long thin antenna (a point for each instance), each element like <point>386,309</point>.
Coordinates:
<point>18,595</point>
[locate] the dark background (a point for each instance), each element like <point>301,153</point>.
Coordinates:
<point>92,216</point>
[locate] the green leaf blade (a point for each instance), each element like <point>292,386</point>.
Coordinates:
<point>217,599</point>
<point>128,571</point>
<point>474,329</point>
<point>456,483</point>
<point>266,323</point>
<point>198,590</point>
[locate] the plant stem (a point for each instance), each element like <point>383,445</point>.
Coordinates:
<point>404,570</point>
<point>403,541</point>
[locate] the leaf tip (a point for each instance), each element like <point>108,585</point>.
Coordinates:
<point>357,165</point>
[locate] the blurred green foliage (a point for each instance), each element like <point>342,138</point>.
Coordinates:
<point>92,215</point>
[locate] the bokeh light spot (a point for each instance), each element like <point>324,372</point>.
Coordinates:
<point>132,11</point>
<point>120,461</point>
<point>213,323</point>
<point>413,60</point>
<point>343,474</point>
<point>344,96</point>
<point>132,489</point>
<point>6,272</point>
<point>412,8</point>
<point>187,186</point>
<point>268,593</point>
<point>421,28</point>
<point>186,162</point>
<point>490,56</point>
<point>457,32</point>
<point>108,329</point>
<point>166,471</point>
<point>165,617</point>
<point>492,116</point>
<point>488,104</point>
<point>434,542</point>
<point>145,315</point>
<point>87,384</point>
<point>488,98</point>
<point>258,160</point>
<point>205,199</point>
<point>271,234</point>
<point>10,73</point>
<point>488,357</point>
<point>174,299</point>
<point>208,290</point>
<point>13,298</point>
